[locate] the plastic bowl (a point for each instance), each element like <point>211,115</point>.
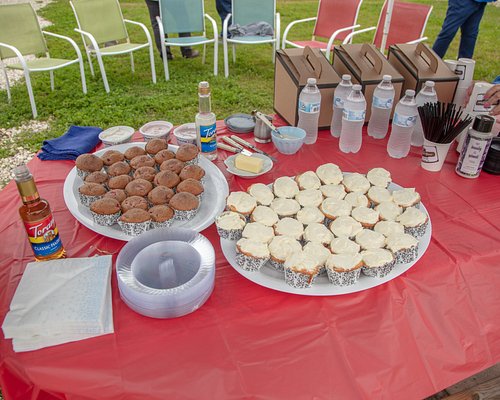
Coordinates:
<point>185,134</point>
<point>156,130</point>
<point>116,135</point>
<point>293,142</point>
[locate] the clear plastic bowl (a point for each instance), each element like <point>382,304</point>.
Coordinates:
<point>156,130</point>
<point>293,141</point>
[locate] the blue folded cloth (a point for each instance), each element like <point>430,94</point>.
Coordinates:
<point>76,141</point>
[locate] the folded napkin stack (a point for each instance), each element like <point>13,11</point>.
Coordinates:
<point>60,301</point>
<point>76,141</point>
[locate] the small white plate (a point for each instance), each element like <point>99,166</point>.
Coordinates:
<point>268,164</point>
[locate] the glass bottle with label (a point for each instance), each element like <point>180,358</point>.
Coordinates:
<point>38,221</point>
<point>206,130</point>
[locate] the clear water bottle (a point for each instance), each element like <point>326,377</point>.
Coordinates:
<point>339,96</point>
<point>405,116</point>
<point>353,119</point>
<point>383,98</point>
<point>426,95</point>
<point>309,106</point>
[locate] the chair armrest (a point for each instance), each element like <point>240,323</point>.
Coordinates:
<point>334,35</point>
<point>146,31</point>
<point>71,41</point>
<point>160,28</point>
<point>90,37</point>
<point>17,53</point>
<point>224,26</point>
<point>422,39</point>
<point>291,24</point>
<point>350,36</point>
<point>214,25</point>
<point>278,30</point>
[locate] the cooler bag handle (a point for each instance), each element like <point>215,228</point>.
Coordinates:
<point>312,60</point>
<point>432,59</point>
<point>373,58</point>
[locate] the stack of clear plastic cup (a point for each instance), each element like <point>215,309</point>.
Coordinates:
<point>166,273</point>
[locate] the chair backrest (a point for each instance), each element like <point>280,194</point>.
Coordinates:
<point>102,18</point>
<point>179,16</point>
<point>408,23</point>
<point>336,14</point>
<point>19,27</point>
<point>245,12</point>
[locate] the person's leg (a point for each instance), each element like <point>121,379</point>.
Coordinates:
<point>223,8</point>
<point>188,52</point>
<point>154,11</point>
<point>469,31</point>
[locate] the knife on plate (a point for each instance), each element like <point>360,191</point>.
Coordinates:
<point>251,146</point>
<point>234,145</point>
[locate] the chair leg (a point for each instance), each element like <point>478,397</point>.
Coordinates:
<point>203,58</point>
<point>234,54</point>
<point>51,73</point>
<point>165,61</point>
<point>274,51</point>
<point>226,59</point>
<point>103,71</point>
<point>7,85</point>
<point>132,62</point>
<point>30,93</point>
<point>89,57</point>
<point>216,56</point>
<point>82,74</point>
<point>152,61</point>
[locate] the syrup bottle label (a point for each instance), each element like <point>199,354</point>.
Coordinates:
<point>208,138</point>
<point>43,236</point>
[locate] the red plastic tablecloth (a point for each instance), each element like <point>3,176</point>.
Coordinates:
<point>436,324</point>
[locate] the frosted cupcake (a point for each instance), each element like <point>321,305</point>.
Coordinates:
<point>415,222</point>
<point>357,199</point>
<point>333,209</point>
<point>336,192</point>
<point>300,270</point>
<point>262,193</point>
<point>241,202</point>
<point>285,187</point>
<point>285,207</point>
<point>135,221</point>
<point>318,253</point>
<point>344,245</point>
<point>310,215</point>
<point>377,195</point>
<point>265,215</point>
<point>406,197</point>
<point>308,180</point>
<point>388,210</point>
<point>309,198</point>
<point>404,247</point>
<point>318,233</point>
<point>377,262</point>
<point>251,255</point>
<point>344,269</point>
<point>230,225</point>
<point>329,174</point>
<point>379,177</point>
<point>367,217</point>
<point>368,239</point>
<point>345,226</point>
<point>356,183</point>
<point>289,227</point>
<point>258,232</point>
<point>388,228</point>
<point>280,248</point>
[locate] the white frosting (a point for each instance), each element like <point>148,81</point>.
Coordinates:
<point>285,207</point>
<point>329,174</point>
<point>357,199</point>
<point>308,180</point>
<point>317,252</point>
<point>336,192</point>
<point>365,215</point>
<point>241,202</point>
<point>289,227</point>
<point>282,246</point>
<point>405,197</point>
<point>369,239</point>
<point>309,198</point>
<point>356,183</point>
<point>388,210</point>
<point>343,245</point>
<point>376,257</point>
<point>262,193</point>
<point>412,217</point>
<point>317,233</point>
<point>379,194</point>
<point>258,232</point>
<point>264,215</point>
<point>379,177</point>
<point>230,220</point>
<point>345,226</point>
<point>335,208</point>
<point>388,228</point>
<point>399,242</point>
<point>252,248</point>
<point>344,262</point>
<point>301,261</point>
<point>285,187</point>
<point>309,215</point>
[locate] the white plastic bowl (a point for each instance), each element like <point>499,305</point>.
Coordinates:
<point>185,134</point>
<point>116,135</point>
<point>156,130</point>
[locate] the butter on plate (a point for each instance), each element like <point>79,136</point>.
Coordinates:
<point>249,164</point>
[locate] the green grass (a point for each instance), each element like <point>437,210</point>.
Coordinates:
<point>134,99</point>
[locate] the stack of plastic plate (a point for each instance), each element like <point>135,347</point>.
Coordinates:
<point>240,123</point>
<point>166,273</point>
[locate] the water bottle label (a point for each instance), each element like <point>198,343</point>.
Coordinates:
<point>338,102</point>
<point>380,102</point>
<point>309,107</point>
<point>404,120</point>
<point>208,138</point>
<point>354,115</point>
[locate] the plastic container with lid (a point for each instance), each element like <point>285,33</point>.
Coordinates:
<point>116,135</point>
<point>185,134</point>
<point>492,161</point>
<point>156,130</point>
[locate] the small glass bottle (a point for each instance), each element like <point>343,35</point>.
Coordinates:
<point>37,218</point>
<point>206,130</point>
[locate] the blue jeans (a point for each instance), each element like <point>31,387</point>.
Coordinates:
<point>223,8</point>
<point>463,14</point>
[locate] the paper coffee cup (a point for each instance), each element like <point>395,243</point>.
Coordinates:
<point>433,155</point>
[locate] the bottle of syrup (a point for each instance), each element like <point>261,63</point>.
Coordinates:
<point>206,130</point>
<point>37,218</point>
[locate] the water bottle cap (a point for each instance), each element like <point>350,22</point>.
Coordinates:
<point>429,83</point>
<point>356,87</point>
<point>387,78</point>
<point>410,92</point>
<point>483,123</point>
<point>346,77</point>
<point>311,81</point>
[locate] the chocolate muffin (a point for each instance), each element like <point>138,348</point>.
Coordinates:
<point>105,211</point>
<point>192,171</point>
<point>190,185</point>
<point>142,161</point>
<point>90,192</point>
<point>172,165</point>
<point>112,156</point>
<point>163,155</point>
<point>119,182</point>
<point>147,173</point>
<point>187,153</point>
<point>185,205</point>
<point>167,178</point>
<point>134,151</point>
<point>135,221</point>
<point>156,145</point>
<point>160,195</point>
<point>87,163</point>
<point>134,202</point>
<point>119,168</point>
<point>138,187</point>
<point>162,216</point>
<point>97,177</point>
<point>117,194</point>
